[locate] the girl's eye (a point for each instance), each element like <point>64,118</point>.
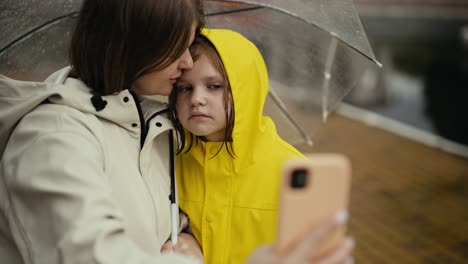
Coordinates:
<point>215,86</point>
<point>185,88</point>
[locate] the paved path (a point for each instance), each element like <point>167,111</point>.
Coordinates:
<point>409,202</point>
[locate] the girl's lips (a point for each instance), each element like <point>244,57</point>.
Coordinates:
<point>198,116</point>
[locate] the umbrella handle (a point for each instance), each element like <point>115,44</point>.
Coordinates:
<point>174,223</point>
<point>173,196</point>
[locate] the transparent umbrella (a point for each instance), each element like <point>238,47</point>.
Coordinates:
<point>315,51</point>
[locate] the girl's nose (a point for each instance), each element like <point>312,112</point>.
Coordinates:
<point>186,61</point>
<point>198,97</point>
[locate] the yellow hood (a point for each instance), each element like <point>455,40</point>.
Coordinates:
<point>248,78</point>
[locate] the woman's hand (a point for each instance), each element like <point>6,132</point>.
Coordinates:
<point>308,246</point>
<point>186,245</point>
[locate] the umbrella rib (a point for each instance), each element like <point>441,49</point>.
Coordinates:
<point>285,112</point>
<point>234,11</point>
<point>25,35</point>
<point>327,76</point>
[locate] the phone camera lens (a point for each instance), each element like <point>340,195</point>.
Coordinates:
<point>299,178</point>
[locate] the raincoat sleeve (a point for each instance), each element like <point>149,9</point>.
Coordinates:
<point>59,206</point>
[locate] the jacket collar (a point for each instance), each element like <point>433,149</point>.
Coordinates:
<point>117,108</point>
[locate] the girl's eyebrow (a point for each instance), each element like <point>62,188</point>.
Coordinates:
<point>208,78</point>
<point>181,83</point>
<point>215,77</point>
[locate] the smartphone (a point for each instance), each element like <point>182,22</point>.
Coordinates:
<point>311,191</point>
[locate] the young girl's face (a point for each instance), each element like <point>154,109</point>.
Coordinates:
<point>200,100</point>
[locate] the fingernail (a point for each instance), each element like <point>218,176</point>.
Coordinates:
<point>341,217</point>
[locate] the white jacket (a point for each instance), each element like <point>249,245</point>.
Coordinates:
<point>78,185</point>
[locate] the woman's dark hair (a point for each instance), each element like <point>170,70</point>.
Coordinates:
<point>117,41</point>
<point>201,45</point>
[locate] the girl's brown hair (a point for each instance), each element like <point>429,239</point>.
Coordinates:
<point>202,46</point>
<point>117,41</point>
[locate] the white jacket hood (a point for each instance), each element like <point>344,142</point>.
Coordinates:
<point>17,98</point>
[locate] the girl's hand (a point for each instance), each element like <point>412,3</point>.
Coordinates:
<point>186,245</point>
<point>305,249</point>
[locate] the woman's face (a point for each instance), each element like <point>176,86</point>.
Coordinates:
<point>161,82</point>
<point>200,100</point>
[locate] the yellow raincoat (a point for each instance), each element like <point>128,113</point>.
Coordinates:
<point>232,203</point>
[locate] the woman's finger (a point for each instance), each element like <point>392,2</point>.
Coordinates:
<point>341,255</point>
<point>167,247</point>
<point>312,242</point>
<point>188,245</point>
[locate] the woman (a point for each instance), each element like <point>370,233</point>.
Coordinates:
<point>84,174</point>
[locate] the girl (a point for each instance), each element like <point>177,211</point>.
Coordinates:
<point>84,174</point>
<point>230,155</point>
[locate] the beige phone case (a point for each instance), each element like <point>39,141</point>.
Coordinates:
<point>326,192</point>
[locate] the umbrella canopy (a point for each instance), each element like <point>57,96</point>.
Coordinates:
<point>315,51</point>
<point>34,37</point>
